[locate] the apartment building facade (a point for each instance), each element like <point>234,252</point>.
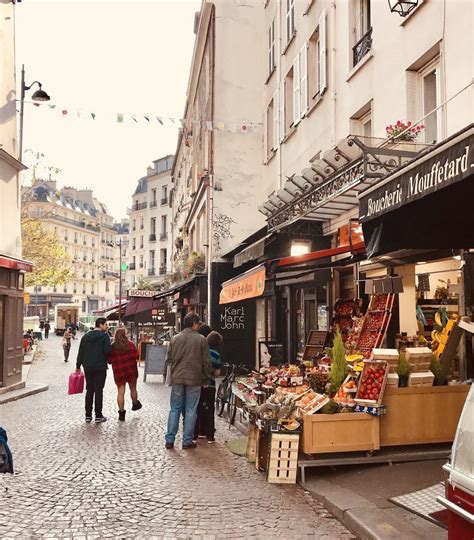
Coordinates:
<point>150,226</point>
<point>216,175</point>
<point>12,267</point>
<point>86,231</point>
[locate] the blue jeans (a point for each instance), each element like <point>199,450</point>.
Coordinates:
<point>183,398</point>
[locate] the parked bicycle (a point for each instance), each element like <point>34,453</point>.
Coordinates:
<point>224,395</point>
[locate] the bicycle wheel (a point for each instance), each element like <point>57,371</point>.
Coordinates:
<point>221,395</point>
<point>231,410</point>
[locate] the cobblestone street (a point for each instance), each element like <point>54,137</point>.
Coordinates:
<point>116,480</point>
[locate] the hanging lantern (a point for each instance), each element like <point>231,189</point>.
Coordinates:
<point>402,7</point>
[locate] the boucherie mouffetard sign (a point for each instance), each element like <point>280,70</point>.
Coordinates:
<point>449,165</point>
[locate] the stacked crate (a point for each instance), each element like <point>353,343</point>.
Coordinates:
<point>283,463</point>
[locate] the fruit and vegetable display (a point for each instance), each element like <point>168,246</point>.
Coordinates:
<point>288,375</point>
<point>372,382</point>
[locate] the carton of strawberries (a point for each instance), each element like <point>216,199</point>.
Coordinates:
<point>372,383</point>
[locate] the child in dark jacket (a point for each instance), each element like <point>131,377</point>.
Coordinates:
<point>205,423</point>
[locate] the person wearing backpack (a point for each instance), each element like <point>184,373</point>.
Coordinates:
<point>92,356</point>
<point>6,458</point>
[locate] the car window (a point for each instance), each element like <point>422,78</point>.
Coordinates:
<point>462,455</point>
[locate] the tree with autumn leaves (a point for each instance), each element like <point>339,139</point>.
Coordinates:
<point>51,264</point>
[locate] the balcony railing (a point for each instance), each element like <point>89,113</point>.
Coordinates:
<point>151,272</point>
<point>162,270</point>
<point>141,265</point>
<point>153,237</point>
<point>79,224</point>
<point>164,236</point>
<point>139,206</point>
<point>164,201</point>
<point>153,204</point>
<point>362,47</point>
<point>132,266</point>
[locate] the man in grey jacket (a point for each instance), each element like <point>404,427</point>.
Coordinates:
<point>190,362</point>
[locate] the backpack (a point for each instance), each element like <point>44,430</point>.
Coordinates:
<point>6,458</point>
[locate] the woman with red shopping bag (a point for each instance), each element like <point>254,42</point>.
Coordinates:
<point>123,358</point>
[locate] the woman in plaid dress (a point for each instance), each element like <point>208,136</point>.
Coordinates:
<point>123,358</point>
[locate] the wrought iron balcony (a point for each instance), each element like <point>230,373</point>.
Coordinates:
<point>162,270</point>
<point>153,204</point>
<point>153,237</point>
<point>151,272</point>
<point>164,236</point>
<point>164,201</point>
<point>132,266</point>
<point>362,47</point>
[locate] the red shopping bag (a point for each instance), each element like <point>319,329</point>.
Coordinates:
<point>76,383</point>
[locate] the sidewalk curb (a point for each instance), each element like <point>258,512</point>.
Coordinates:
<point>29,390</point>
<point>362,517</point>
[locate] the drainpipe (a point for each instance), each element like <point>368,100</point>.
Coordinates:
<point>333,71</point>
<point>210,186</point>
<point>278,73</point>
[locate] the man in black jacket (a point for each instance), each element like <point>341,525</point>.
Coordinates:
<point>92,355</point>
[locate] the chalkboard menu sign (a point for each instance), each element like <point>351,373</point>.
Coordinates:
<point>315,344</point>
<point>270,353</point>
<point>155,360</point>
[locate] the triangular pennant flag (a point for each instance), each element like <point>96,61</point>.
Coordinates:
<point>134,118</point>
<point>147,118</point>
<point>36,104</point>
<point>120,118</point>
<point>171,120</point>
<point>64,112</point>
<point>159,120</point>
<point>93,115</point>
<point>244,128</point>
<point>52,106</point>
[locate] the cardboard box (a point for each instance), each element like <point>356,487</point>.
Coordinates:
<point>392,380</point>
<point>419,354</point>
<point>385,354</point>
<point>425,378</point>
<point>419,367</point>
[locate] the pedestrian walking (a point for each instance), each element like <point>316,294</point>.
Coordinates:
<point>92,356</point>
<point>190,365</point>
<point>205,422</point>
<point>66,343</point>
<point>47,328</point>
<point>41,327</point>
<point>123,358</point>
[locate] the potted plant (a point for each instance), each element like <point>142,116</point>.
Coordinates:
<point>339,368</point>
<point>403,131</point>
<point>437,369</point>
<point>403,370</point>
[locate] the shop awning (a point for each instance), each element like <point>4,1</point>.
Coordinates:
<point>250,284</point>
<point>15,264</point>
<point>252,252</point>
<point>330,187</point>
<point>426,205</point>
<point>105,310</point>
<point>321,254</point>
<point>179,286</point>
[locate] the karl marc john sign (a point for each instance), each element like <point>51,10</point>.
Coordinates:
<point>446,168</point>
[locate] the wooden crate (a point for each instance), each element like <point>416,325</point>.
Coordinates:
<point>283,462</point>
<point>342,432</point>
<point>421,415</point>
<point>252,443</point>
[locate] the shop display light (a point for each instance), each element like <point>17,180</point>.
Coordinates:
<point>402,7</point>
<point>300,247</point>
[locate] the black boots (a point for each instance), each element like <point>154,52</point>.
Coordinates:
<point>122,415</point>
<point>136,405</point>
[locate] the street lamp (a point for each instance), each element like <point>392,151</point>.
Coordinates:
<point>39,95</point>
<point>402,7</point>
<point>122,268</point>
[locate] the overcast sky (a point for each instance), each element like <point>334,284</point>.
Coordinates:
<point>105,57</point>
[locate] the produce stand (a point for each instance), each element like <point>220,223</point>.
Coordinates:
<point>360,416</point>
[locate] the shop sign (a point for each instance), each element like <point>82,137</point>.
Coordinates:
<point>15,264</point>
<point>445,168</point>
<point>138,293</point>
<point>270,353</point>
<point>27,297</point>
<point>248,285</point>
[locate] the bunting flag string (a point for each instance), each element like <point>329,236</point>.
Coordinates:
<point>150,119</point>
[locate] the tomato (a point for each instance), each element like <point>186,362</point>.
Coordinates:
<point>371,396</point>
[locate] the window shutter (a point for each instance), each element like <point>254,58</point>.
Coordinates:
<point>281,103</point>
<point>288,20</point>
<point>304,80</point>
<point>296,90</point>
<point>276,111</point>
<point>270,50</point>
<point>292,18</point>
<point>322,53</point>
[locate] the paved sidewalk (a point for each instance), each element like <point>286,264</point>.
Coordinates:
<point>116,480</point>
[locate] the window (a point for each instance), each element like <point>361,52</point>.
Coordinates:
<point>271,48</point>
<point>362,30</point>
<point>134,243</point>
<point>142,224</point>
<point>269,128</point>
<point>430,100</point>
<point>290,20</point>
<point>316,61</point>
<point>153,195</point>
<point>153,225</point>
<point>164,258</point>
<point>107,286</point>
<point>275,120</point>
<point>164,193</point>
<point>141,261</point>
<point>300,85</point>
<point>163,224</point>
<point>141,242</point>
<point>134,226</point>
